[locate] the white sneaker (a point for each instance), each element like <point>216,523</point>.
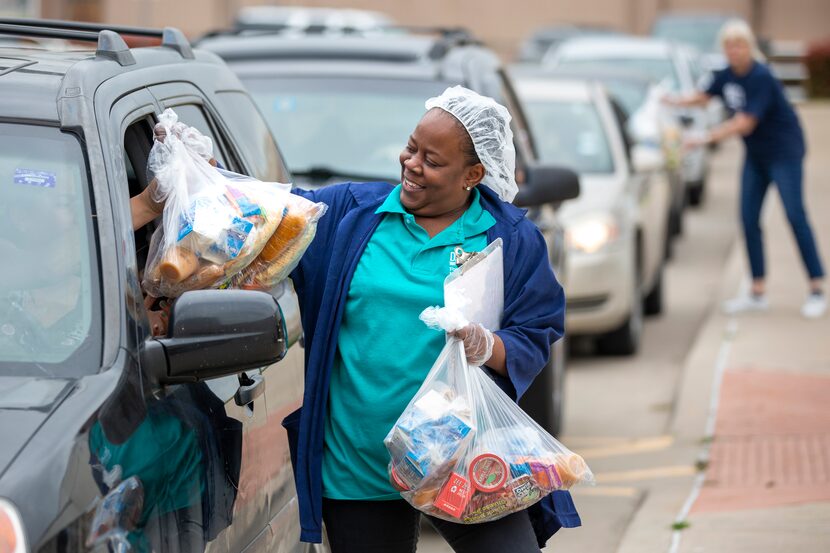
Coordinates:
<point>814,306</point>
<point>745,304</point>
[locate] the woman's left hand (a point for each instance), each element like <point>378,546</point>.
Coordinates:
<point>478,343</point>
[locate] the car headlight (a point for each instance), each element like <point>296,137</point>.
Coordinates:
<point>12,538</point>
<point>591,235</point>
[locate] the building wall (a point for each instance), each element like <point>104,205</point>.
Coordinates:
<point>501,23</point>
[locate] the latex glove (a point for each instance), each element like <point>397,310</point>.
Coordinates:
<point>478,343</point>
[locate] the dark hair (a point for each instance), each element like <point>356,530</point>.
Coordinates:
<point>467,147</point>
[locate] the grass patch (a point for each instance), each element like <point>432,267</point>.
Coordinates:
<point>680,525</point>
<point>701,464</point>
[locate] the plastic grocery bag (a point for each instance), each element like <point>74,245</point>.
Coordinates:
<point>463,451</point>
<point>216,223</point>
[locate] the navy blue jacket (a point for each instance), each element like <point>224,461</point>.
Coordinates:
<point>534,309</point>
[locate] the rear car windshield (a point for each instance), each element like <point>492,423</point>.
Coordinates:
<point>570,134</point>
<point>630,95</point>
<point>49,285</point>
<point>658,69</point>
<point>700,33</point>
<point>351,126</point>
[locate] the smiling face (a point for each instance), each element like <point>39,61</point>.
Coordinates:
<point>436,169</point>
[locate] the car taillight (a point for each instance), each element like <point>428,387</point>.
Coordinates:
<point>12,539</point>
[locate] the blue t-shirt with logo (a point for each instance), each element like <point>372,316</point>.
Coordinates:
<point>759,94</point>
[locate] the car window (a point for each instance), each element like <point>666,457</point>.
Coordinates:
<point>49,296</point>
<point>701,33</point>
<point>351,126</point>
<point>194,116</point>
<point>658,69</point>
<point>570,134</point>
<point>254,137</point>
<point>631,95</point>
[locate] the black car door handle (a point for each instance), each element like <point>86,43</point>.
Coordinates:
<point>250,388</point>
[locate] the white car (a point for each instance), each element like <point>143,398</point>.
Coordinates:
<point>616,230</point>
<point>673,65</point>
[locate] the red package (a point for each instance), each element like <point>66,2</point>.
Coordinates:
<point>454,496</point>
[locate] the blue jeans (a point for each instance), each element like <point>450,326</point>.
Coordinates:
<point>787,175</point>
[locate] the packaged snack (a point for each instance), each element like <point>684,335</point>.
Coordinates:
<point>465,452</point>
<point>215,223</point>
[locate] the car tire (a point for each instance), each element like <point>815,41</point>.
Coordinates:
<point>676,222</point>
<point>695,192</point>
<point>653,302</point>
<point>544,399</point>
<point>625,340</point>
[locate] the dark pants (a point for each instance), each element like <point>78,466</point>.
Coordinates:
<point>393,526</point>
<point>787,175</point>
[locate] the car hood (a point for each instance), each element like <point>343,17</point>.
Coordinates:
<point>25,404</point>
<point>597,194</point>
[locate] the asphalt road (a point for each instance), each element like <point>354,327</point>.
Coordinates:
<point>618,409</point>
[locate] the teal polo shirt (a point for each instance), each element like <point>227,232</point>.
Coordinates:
<point>384,351</point>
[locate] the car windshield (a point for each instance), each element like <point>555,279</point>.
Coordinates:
<point>349,126</point>
<point>570,134</point>
<point>700,33</point>
<point>658,69</point>
<point>49,289</point>
<point>630,95</point>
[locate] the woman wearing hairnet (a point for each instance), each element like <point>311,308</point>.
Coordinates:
<point>379,258</point>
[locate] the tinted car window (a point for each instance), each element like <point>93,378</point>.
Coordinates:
<point>630,95</point>
<point>193,115</point>
<point>254,137</point>
<point>570,134</point>
<point>49,299</point>
<point>658,69</point>
<point>351,126</point>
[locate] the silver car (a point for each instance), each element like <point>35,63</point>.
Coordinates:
<point>616,230</point>
<point>673,65</point>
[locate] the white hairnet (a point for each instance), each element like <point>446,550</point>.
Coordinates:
<point>488,124</point>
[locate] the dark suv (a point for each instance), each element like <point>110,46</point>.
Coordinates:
<point>112,439</point>
<point>343,107</point>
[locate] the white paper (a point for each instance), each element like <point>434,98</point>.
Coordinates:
<point>477,287</point>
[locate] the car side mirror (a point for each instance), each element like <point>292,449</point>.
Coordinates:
<point>647,159</point>
<point>216,333</point>
<point>546,184</point>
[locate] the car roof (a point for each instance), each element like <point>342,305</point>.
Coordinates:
<point>32,79</point>
<point>391,55</point>
<point>609,73</point>
<point>553,88</point>
<point>611,47</point>
<point>300,16</point>
<point>249,46</point>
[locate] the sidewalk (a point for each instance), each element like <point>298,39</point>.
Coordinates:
<point>755,403</point>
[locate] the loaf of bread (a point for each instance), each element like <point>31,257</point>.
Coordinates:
<point>177,264</point>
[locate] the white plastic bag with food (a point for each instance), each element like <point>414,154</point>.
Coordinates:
<point>462,450</point>
<point>215,222</point>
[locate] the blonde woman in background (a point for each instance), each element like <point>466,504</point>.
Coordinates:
<point>775,150</point>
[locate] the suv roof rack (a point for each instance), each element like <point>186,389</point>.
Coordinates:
<point>110,43</point>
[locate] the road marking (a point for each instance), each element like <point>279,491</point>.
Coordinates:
<point>607,491</point>
<point>711,419</point>
<point>629,448</point>
<point>646,474</point>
